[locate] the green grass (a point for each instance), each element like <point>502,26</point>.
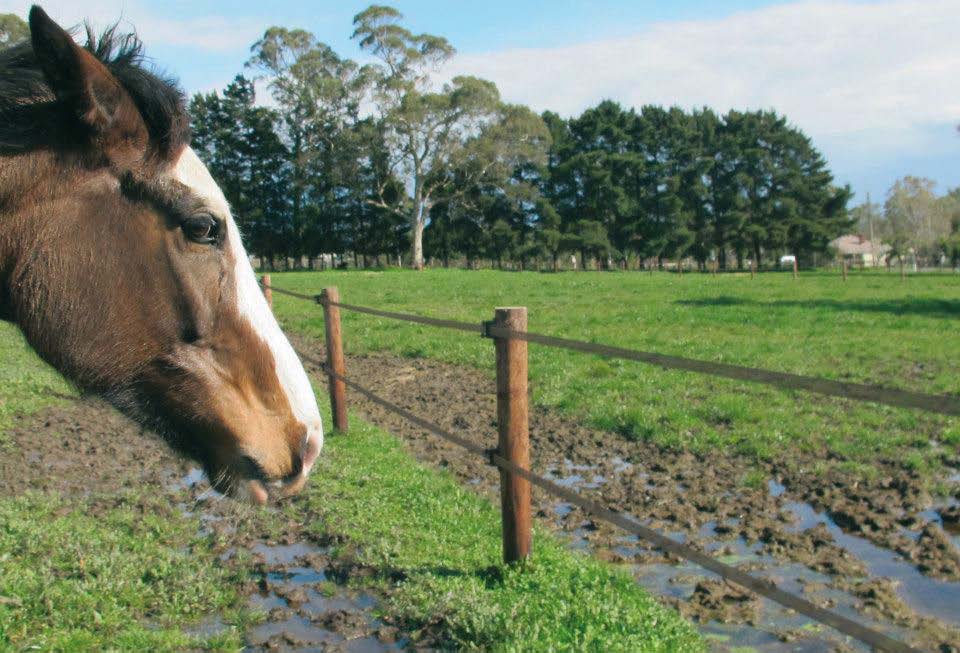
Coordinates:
<point>443,543</point>
<point>76,578</point>
<point>99,573</point>
<point>872,329</point>
<point>26,383</point>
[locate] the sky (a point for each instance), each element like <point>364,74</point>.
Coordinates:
<point>874,84</point>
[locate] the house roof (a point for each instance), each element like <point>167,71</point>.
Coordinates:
<point>852,244</point>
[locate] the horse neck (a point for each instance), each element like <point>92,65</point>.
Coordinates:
<point>26,181</point>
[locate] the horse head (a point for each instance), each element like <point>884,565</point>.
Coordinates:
<point>121,262</point>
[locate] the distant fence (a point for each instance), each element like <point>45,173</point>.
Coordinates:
<point>512,455</point>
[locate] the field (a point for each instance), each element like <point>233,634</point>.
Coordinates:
<point>872,329</point>
<point>859,502</point>
<point>108,541</point>
<point>396,541</point>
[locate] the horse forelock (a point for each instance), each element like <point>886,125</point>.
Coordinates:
<point>28,112</point>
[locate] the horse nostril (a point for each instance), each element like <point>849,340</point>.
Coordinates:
<point>296,468</point>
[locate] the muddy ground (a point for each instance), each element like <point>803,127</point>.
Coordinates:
<point>85,448</point>
<point>884,552</point>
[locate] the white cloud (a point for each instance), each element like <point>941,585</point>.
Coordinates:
<point>832,68</point>
<point>220,33</point>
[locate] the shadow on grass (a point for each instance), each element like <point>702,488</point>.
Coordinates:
<point>491,576</point>
<point>940,308</point>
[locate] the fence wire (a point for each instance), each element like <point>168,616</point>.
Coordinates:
<point>759,586</point>
<point>942,404</point>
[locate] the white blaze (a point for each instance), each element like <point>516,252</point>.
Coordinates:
<point>191,172</point>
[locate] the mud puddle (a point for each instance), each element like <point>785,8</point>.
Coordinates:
<point>729,616</point>
<point>880,553</point>
<point>306,609</point>
<point>87,449</point>
<point>310,612</point>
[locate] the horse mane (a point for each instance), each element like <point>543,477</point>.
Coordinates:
<point>28,107</point>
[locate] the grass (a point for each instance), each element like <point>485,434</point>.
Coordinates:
<point>100,573</point>
<point>443,544</point>
<point>132,572</point>
<point>74,577</point>
<point>26,383</point>
<point>872,329</point>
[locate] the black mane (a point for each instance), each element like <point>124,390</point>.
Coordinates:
<point>28,105</point>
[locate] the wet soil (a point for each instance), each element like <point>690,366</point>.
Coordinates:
<point>884,552</point>
<point>85,448</point>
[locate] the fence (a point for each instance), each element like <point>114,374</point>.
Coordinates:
<point>512,456</point>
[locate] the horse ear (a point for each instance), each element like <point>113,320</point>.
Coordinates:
<point>79,81</point>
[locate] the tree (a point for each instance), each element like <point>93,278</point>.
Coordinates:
<point>461,132</point>
<point>950,244</point>
<point>12,29</point>
<point>318,94</point>
<point>913,218</point>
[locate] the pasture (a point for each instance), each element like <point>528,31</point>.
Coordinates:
<point>871,329</point>
<point>408,524</point>
<point>859,501</point>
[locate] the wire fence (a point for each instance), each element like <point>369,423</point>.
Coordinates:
<point>943,404</point>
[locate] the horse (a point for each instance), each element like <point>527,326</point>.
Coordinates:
<point>122,265</point>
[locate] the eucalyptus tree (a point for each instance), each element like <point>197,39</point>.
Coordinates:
<point>460,132</point>
<point>12,29</point>
<point>318,94</point>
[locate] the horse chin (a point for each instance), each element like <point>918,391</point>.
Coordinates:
<point>259,493</point>
<point>256,492</point>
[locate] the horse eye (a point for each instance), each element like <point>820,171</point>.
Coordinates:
<point>201,229</point>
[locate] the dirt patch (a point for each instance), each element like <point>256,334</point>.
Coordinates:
<point>85,448</point>
<point>827,529</point>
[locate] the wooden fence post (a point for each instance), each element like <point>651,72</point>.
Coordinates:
<point>794,267</point>
<point>514,440</point>
<point>753,269</point>
<point>338,389</point>
<point>267,292</point>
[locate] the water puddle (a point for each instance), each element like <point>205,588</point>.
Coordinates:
<point>308,612</point>
<point>777,630</point>
<point>925,595</point>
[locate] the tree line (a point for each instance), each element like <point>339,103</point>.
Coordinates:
<point>380,162</point>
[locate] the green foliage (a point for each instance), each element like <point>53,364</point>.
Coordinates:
<point>12,29</point>
<point>453,169</point>
<point>662,183</point>
<point>447,145</point>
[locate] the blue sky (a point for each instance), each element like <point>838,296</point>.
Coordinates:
<point>873,83</point>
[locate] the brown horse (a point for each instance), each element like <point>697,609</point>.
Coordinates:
<point>121,263</point>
